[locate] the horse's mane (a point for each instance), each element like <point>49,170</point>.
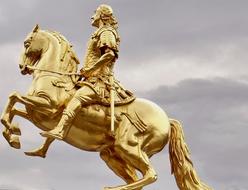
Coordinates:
<point>68,59</point>
<point>67,50</point>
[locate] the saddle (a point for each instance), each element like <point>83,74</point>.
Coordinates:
<point>102,87</point>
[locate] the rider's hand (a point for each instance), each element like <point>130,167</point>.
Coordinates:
<point>83,72</point>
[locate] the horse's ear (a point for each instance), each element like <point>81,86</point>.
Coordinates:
<point>36,28</point>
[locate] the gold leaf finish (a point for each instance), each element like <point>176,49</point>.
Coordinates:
<point>92,111</point>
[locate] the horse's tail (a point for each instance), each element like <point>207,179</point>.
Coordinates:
<point>181,164</point>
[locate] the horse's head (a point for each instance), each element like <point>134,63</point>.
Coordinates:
<point>35,45</point>
<point>51,47</point>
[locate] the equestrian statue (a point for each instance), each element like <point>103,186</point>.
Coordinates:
<point>92,111</point>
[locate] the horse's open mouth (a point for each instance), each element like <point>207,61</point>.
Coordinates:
<point>28,61</point>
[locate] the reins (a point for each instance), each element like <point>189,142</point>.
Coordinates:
<point>55,72</point>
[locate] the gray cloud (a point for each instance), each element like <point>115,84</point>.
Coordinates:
<point>214,116</point>
<point>181,26</point>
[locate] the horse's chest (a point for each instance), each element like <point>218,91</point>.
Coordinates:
<point>42,86</point>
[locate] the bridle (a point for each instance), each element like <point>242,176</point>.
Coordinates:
<point>35,68</point>
<point>50,71</point>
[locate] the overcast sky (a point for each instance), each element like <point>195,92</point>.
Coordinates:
<point>190,57</point>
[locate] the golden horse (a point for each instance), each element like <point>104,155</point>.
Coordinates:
<point>142,128</point>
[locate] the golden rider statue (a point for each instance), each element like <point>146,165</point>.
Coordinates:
<point>100,57</point>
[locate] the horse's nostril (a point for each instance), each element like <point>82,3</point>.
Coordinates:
<point>20,66</point>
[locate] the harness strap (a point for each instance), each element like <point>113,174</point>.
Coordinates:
<point>49,71</point>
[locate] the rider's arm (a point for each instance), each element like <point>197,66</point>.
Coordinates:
<point>108,47</point>
<point>107,56</point>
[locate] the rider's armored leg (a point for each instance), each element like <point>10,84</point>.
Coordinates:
<point>83,97</point>
<point>60,131</point>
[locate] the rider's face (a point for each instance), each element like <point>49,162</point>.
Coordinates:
<point>95,19</point>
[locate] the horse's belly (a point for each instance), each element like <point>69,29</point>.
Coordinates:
<point>89,130</point>
<point>82,140</point>
<point>88,133</point>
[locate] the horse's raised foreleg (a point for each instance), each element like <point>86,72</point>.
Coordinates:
<point>42,102</point>
<point>6,117</point>
<point>11,130</point>
<point>44,106</point>
<point>14,126</point>
<point>14,140</point>
<point>42,150</point>
<point>11,134</point>
<point>119,166</point>
<point>26,100</point>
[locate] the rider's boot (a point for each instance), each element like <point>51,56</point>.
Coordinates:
<point>62,129</point>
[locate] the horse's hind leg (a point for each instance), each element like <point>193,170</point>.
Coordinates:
<point>128,147</point>
<point>119,166</point>
<point>139,160</point>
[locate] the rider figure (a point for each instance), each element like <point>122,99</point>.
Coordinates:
<point>101,55</point>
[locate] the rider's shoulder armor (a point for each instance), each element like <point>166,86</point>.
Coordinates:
<point>108,37</point>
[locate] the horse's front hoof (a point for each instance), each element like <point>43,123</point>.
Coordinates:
<point>4,120</point>
<point>14,142</point>
<point>6,134</point>
<point>15,129</point>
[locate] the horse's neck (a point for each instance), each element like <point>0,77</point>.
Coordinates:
<point>50,60</point>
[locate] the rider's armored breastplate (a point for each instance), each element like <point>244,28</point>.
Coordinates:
<point>93,53</point>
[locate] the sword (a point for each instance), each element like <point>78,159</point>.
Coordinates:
<point>112,104</point>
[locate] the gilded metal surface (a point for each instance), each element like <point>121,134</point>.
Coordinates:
<point>79,113</point>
